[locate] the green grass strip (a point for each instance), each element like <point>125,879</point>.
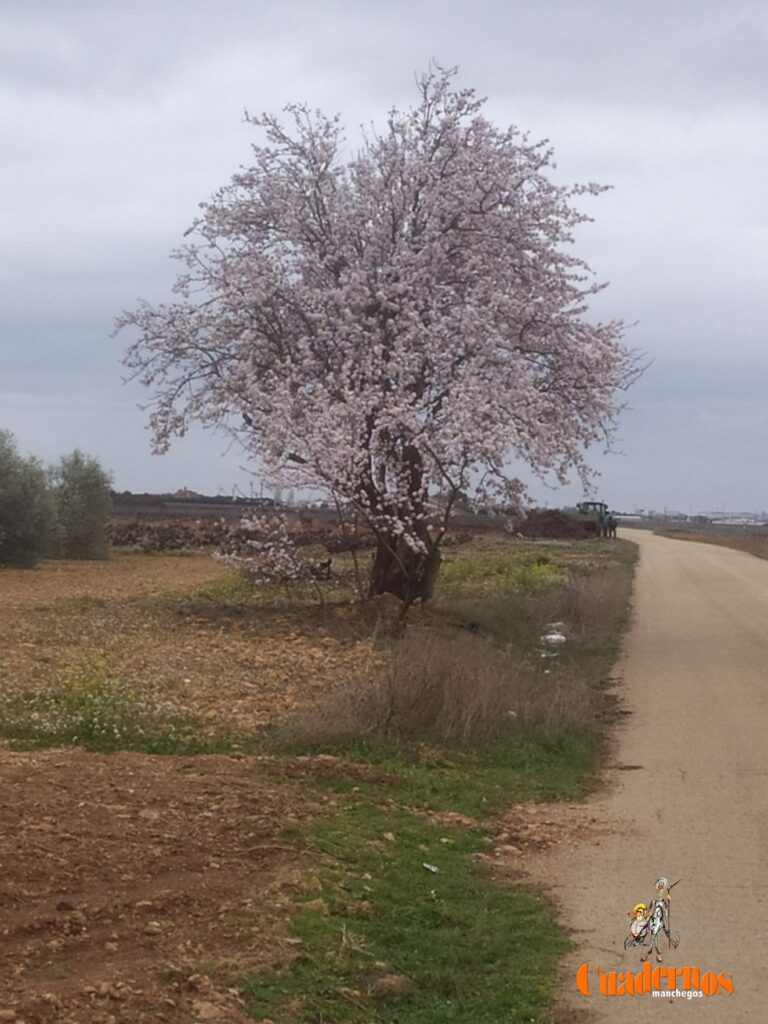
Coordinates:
<point>392,941</point>
<point>520,765</point>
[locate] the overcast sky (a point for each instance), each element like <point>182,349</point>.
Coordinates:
<point>117,119</point>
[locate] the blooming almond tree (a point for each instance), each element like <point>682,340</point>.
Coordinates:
<point>389,325</point>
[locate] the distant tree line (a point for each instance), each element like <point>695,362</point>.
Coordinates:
<point>58,512</point>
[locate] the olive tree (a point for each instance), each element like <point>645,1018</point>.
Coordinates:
<point>389,324</point>
<point>83,502</point>
<point>26,509</point>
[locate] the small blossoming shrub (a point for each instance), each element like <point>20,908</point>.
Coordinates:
<point>265,553</point>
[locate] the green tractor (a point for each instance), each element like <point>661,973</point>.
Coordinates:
<point>594,515</point>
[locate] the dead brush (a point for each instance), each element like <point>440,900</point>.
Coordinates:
<point>446,687</point>
<point>590,606</point>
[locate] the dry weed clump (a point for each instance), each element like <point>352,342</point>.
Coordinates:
<point>447,688</point>
<point>471,684</point>
<point>590,605</point>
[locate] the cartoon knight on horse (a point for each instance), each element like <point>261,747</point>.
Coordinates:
<point>652,920</point>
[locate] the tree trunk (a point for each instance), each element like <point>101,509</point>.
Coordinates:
<point>399,570</point>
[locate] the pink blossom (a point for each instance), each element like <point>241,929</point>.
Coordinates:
<point>390,325</point>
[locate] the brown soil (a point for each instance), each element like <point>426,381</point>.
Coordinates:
<point>123,876</point>
<point>552,524</point>
<point>136,888</point>
<point>121,576</point>
<point>240,667</point>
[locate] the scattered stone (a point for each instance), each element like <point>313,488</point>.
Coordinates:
<point>207,1012</point>
<point>392,984</point>
<point>200,982</point>
<point>319,905</point>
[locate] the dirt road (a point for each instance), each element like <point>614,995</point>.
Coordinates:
<point>687,789</point>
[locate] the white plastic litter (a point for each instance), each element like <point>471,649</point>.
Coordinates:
<point>554,634</point>
<point>553,637</point>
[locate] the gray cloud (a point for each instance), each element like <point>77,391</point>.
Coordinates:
<point>118,119</point>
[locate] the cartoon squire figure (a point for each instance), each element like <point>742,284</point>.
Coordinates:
<point>652,920</point>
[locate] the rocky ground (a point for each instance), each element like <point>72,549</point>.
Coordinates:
<point>123,875</point>
<point>135,888</point>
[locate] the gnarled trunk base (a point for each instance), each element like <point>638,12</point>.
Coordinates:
<point>399,570</point>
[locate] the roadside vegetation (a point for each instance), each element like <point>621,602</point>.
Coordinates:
<point>465,718</point>
<point>412,744</point>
